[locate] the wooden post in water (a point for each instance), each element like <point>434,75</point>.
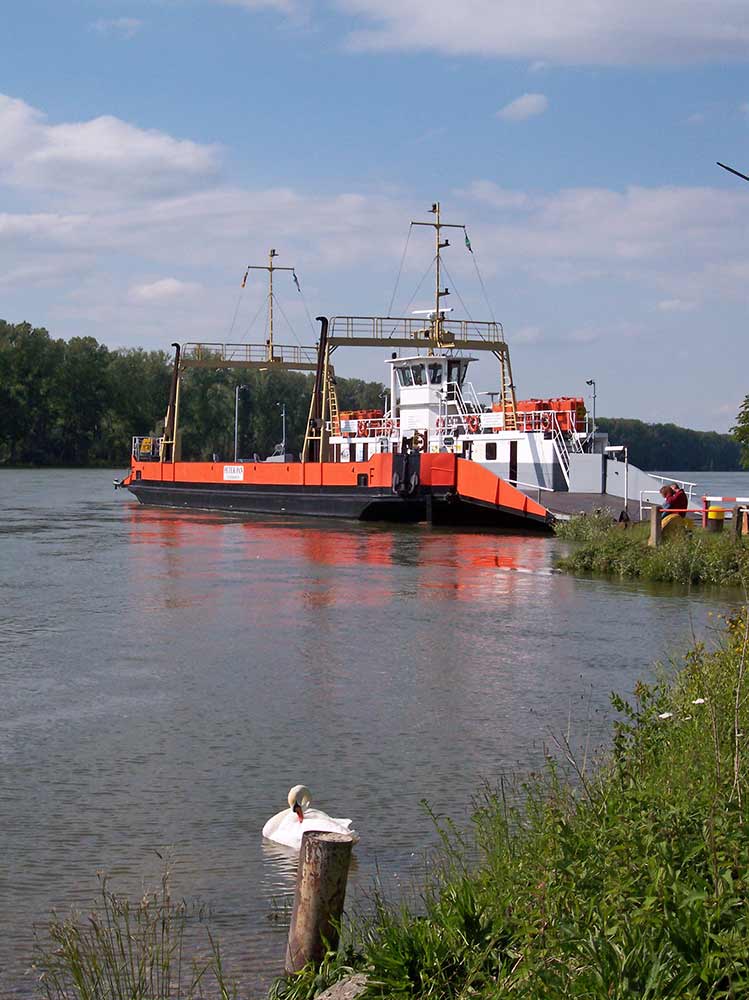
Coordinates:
<point>737,523</point>
<point>318,902</point>
<point>655,527</point>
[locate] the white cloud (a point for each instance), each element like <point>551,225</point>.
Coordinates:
<point>497,197</point>
<point>523,107</point>
<point>590,32</point>
<point>105,153</point>
<point>527,335</point>
<point>285,6</point>
<point>163,290</point>
<point>676,305</point>
<point>124,27</point>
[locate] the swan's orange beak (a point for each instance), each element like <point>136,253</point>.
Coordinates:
<point>298,811</point>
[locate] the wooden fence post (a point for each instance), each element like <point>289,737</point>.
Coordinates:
<point>655,527</point>
<point>737,523</point>
<point>318,902</point>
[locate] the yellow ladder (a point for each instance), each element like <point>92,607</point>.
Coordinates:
<point>335,421</point>
<point>509,403</point>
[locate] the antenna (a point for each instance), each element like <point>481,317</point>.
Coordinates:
<point>732,171</point>
<point>270,267</point>
<point>438,316</point>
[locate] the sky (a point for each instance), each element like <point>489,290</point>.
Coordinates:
<point>151,149</point>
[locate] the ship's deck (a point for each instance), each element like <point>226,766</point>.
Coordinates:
<point>568,504</point>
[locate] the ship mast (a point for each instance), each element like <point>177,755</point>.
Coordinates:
<point>438,319</point>
<point>270,267</point>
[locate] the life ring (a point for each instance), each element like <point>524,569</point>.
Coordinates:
<point>473,424</point>
<point>440,423</point>
<point>362,428</point>
<point>545,422</point>
<point>418,441</point>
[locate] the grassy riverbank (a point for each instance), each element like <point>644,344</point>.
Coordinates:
<point>630,882</point>
<point>686,556</point>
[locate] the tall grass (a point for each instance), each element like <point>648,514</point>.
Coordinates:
<point>633,882</point>
<point>129,951</point>
<point>685,556</point>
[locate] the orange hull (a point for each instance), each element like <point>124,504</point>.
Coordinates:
<point>435,487</point>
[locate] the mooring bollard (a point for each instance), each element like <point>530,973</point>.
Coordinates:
<point>715,516</point>
<point>655,527</point>
<point>318,902</point>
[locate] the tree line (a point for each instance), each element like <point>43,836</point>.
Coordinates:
<point>666,446</point>
<point>78,402</point>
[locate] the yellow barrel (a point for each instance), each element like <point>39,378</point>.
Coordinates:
<point>715,518</point>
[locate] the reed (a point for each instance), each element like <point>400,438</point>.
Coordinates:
<point>686,556</point>
<point>127,950</point>
<point>629,881</point>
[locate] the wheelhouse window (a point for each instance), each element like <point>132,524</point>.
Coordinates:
<point>435,374</point>
<point>456,371</point>
<point>419,374</point>
<point>404,376</point>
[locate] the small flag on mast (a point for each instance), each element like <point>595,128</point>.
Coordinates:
<point>468,242</point>
<point>296,282</point>
<point>244,280</point>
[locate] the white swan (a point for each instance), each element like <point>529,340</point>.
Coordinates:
<point>288,826</point>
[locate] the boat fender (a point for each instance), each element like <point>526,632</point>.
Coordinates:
<point>413,483</point>
<point>397,483</point>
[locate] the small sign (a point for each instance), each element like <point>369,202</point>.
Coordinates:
<point>234,473</point>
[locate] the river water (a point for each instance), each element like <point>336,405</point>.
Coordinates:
<point>167,676</point>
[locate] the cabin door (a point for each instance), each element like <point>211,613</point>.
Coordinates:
<point>513,462</point>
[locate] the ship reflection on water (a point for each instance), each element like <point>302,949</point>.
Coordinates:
<point>354,562</point>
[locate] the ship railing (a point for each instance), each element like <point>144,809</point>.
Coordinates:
<point>464,397</point>
<point>416,330</point>
<point>667,480</point>
<point>524,487</point>
<point>147,448</point>
<point>207,354</point>
<point>374,427</point>
<point>532,420</point>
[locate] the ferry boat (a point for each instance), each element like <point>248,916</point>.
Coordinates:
<point>436,453</point>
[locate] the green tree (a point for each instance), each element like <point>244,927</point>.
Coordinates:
<point>741,431</point>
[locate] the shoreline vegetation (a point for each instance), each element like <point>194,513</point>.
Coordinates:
<point>78,403</point>
<point>688,555</point>
<point>629,881</point>
<point>626,880</point>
